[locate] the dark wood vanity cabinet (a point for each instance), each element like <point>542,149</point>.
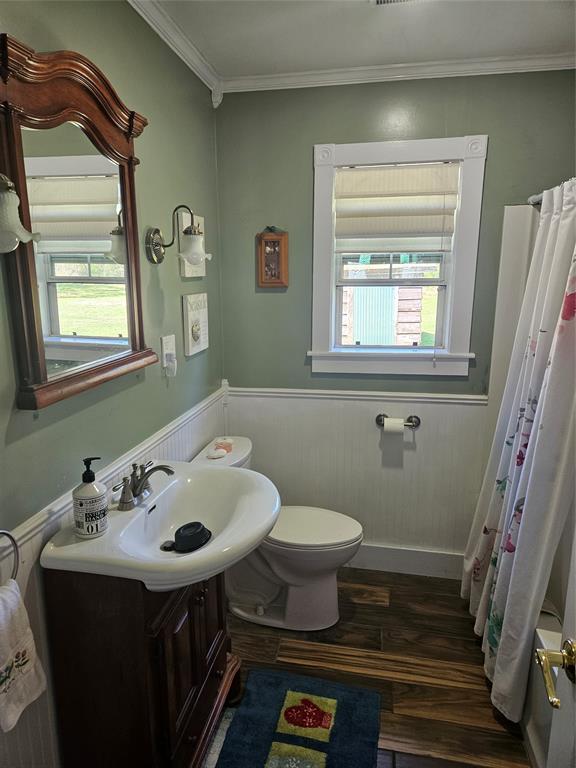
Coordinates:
<point>140,677</point>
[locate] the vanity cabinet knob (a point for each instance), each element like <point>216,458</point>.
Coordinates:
<point>201,596</point>
<point>219,674</point>
<point>191,739</point>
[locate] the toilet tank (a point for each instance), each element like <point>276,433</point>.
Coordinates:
<point>225,452</point>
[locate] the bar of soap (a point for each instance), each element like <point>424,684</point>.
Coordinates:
<point>216,453</point>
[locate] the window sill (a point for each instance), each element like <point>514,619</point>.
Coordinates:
<point>404,362</point>
<point>81,342</point>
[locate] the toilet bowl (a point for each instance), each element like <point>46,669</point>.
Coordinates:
<point>288,581</point>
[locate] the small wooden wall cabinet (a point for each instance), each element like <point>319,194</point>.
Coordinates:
<point>140,678</point>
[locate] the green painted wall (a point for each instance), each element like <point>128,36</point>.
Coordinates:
<point>66,139</point>
<point>40,452</point>
<point>265,143</point>
<point>265,177</point>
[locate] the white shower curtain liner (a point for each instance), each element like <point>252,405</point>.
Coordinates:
<point>528,488</point>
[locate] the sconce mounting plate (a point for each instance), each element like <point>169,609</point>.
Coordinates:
<point>154,242</point>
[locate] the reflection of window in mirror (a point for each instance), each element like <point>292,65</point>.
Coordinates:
<point>75,203</point>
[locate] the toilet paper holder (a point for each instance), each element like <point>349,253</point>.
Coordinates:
<point>411,422</point>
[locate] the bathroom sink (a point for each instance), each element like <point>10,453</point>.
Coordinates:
<point>238,506</point>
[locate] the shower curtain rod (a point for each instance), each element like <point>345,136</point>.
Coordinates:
<point>535,199</point>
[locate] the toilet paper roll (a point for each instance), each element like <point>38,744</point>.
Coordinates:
<point>394,426</point>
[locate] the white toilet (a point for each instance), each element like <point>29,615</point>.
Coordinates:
<point>289,581</point>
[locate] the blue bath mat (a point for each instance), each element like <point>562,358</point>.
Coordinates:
<point>291,721</point>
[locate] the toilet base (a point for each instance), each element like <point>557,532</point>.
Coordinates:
<point>307,608</point>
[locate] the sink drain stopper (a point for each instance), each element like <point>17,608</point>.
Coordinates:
<point>188,537</point>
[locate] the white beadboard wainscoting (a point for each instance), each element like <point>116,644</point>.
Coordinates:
<point>32,743</point>
<point>414,494</point>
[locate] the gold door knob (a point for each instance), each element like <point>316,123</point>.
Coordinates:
<point>564,659</point>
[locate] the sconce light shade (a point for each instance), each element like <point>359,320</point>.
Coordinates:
<point>117,250</point>
<point>11,230</point>
<point>118,246</point>
<point>193,247</point>
<point>191,242</point>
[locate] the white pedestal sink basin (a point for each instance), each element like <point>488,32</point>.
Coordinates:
<point>238,506</point>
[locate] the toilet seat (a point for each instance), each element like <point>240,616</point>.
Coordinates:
<point>294,549</point>
<point>313,528</point>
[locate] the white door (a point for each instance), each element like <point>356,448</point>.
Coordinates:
<point>562,748</point>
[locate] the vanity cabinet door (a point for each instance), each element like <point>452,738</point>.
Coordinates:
<point>152,668</point>
<point>182,664</point>
<point>191,646</point>
<point>212,618</point>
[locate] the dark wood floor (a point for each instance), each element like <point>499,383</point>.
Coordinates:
<point>411,638</point>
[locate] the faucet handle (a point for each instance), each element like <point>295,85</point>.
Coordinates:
<point>127,498</point>
<point>134,478</point>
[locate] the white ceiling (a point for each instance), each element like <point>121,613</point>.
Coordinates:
<point>255,44</point>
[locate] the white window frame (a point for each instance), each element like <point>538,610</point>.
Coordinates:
<point>52,281</point>
<point>454,357</point>
<point>62,166</point>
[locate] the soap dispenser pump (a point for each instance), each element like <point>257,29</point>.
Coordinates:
<point>90,504</point>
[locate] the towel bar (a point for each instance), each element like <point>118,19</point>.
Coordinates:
<point>16,552</point>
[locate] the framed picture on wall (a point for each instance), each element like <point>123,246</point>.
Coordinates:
<point>272,259</point>
<point>195,315</point>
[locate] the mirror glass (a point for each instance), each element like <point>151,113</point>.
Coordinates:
<point>76,205</point>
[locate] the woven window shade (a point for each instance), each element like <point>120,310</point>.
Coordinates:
<point>73,208</point>
<point>396,208</point>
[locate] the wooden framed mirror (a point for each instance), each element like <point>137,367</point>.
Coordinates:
<point>67,143</point>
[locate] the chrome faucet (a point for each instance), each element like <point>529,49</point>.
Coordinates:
<point>142,482</point>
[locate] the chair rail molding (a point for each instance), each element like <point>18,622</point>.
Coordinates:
<point>170,442</point>
<point>356,395</point>
<point>33,741</point>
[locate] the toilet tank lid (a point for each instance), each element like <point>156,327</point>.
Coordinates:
<point>236,452</point>
<point>314,527</point>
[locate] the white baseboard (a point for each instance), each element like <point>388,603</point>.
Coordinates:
<point>530,739</point>
<point>419,562</point>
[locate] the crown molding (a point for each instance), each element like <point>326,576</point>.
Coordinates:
<point>387,72</point>
<point>165,27</point>
<point>160,21</point>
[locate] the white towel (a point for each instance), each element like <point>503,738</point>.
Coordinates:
<point>22,678</point>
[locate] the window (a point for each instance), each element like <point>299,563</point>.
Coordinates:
<point>75,202</point>
<point>86,296</point>
<point>395,243</point>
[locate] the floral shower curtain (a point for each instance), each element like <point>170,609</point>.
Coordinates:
<point>528,487</point>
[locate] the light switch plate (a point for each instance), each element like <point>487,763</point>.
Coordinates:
<point>167,347</point>
<point>190,270</point>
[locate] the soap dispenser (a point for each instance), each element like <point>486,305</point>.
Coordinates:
<point>90,504</point>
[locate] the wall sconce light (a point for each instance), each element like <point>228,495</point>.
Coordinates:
<point>191,242</point>
<point>11,230</point>
<point>118,242</point>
